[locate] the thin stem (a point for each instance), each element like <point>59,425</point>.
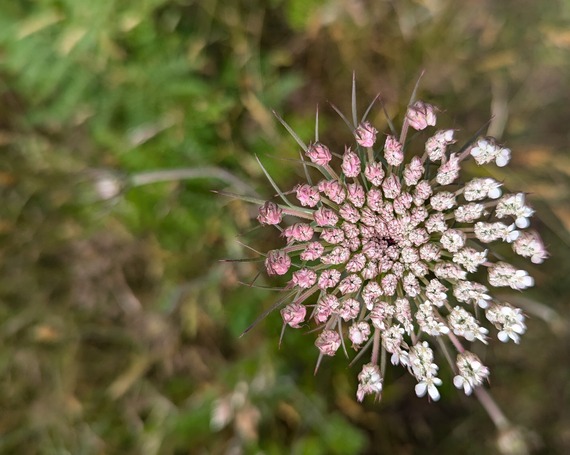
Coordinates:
<point>495,413</point>
<point>375,347</point>
<point>206,172</point>
<point>456,342</point>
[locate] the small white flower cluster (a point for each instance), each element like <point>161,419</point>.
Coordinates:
<point>472,372</point>
<point>369,381</point>
<point>486,150</point>
<point>424,370</point>
<point>508,320</point>
<point>389,249</point>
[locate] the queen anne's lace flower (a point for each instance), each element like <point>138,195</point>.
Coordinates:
<point>383,251</point>
<point>472,372</point>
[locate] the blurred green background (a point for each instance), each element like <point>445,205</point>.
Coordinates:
<point>119,324</point>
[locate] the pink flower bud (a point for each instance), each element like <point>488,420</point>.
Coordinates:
<point>374,173</point>
<point>392,186</point>
<point>350,284</point>
<point>349,213</point>
<point>413,171</point>
<point>365,134</point>
<point>350,164</point>
<point>307,195</point>
<point>420,115</point>
<point>270,213</point>
<point>301,232</point>
<point>359,332</point>
<point>349,309</point>
<point>325,217</point>
<point>294,314</point>
<point>304,278</point>
<point>328,342</point>
<point>356,194</point>
<point>333,189</point>
<point>325,307</point>
<point>277,262</point>
<point>393,151</point>
<point>329,279</point>
<point>313,251</point>
<point>369,381</point>
<point>319,154</point>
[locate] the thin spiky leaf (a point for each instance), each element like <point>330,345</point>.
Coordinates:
<point>369,108</point>
<point>265,288</point>
<point>246,260</point>
<point>307,175</point>
<point>251,200</point>
<point>267,312</point>
<point>291,132</point>
<point>317,124</point>
<point>361,352</point>
<point>342,116</point>
<point>282,333</point>
<point>414,92</point>
<point>354,115</point>
<point>273,184</point>
<point>342,338</point>
<point>464,150</point>
<point>319,360</point>
<point>388,119</point>
<point>250,248</point>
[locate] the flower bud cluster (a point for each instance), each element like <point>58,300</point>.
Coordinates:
<point>384,252</point>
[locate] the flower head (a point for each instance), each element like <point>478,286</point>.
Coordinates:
<point>384,251</point>
<point>421,115</point>
<point>365,134</point>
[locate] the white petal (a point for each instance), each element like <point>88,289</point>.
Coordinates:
<point>433,393</point>
<point>502,336</point>
<point>537,259</point>
<point>458,381</point>
<point>528,281</point>
<point>501,162</point>
<point>522,222</point>
<point>495,193</point>
<point>421,389</point>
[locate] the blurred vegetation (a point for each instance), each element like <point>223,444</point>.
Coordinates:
<point>119,326</point>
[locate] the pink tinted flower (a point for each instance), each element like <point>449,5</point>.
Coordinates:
<point>396,248</point>
<point>293,314</point>
<point>333,189</point>
<point>328,342</point>
<point>350,284</point>
<point>369,381</point>
<point>307,195</point>
<point>304,278</point>
<point>413,171</point>
<point>313,251</point>
<point>277,262</point>
<point>420,115</point>
<point>349,309</point>
<point>391,186</point>
<point>270,213</point>
<point>325,307</point>
<point>365,134</point>
<point>356,194</point>
<point>350,164</point>
<point>319,153</point>
<point>359,332</point>
<point>393,151</point>
<point>329,279</point>
<point>301,232</point>
<point>349,213</point>
<point>325,217</point>
<point>374,173</point>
